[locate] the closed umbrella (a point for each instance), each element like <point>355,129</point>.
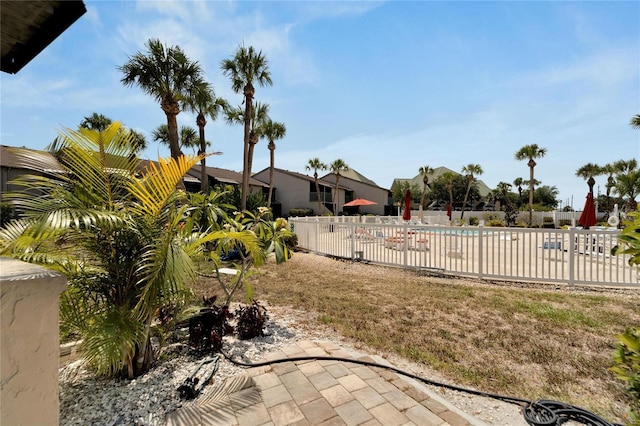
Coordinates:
<point>449,210</point>
<point>406,215</point>
<point>588,216</point>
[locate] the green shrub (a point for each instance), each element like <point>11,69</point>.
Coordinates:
<point>473,221</point>
<point>301,212</point>
<point>495,222</point>
<point>626,359</point>
<point>489,217</point>
<point>564,222</point>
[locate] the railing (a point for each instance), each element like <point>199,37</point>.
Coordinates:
<point>570,256</point>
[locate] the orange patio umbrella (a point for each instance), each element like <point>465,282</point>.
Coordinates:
<point>359,202</point>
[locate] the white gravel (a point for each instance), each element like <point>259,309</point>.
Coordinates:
<point>87,400</point>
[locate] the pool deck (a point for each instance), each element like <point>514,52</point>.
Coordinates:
<point>319,392</point>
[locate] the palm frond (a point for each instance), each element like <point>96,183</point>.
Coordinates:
<point>100,162</point>
<point>158,182</point>
<point>164,269</point>
<point>111,342</point>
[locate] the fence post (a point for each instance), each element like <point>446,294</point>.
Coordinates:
<point>352,229</point>
<point>480,252</point>
<point>406,245</point>
<point>572,256</point>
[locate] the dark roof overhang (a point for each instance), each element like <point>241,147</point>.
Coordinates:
<point>27,27</point>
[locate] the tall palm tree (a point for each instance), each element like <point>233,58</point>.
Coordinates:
<point>587,172</point>
<point>166,74</point>
<point>273,131</point>
<point>315,164</point>
<point>530,153</point>
<point>471,171</point>
<point>425,171</point>
<point>188,136</point>
<point>259,115</point>
<point>246,68</point>
<point>518,182</point>
<point>635,121</point>
<point>203,102</point>
<point>337,167</point>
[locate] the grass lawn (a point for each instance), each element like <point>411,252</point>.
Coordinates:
<point>534,342</point>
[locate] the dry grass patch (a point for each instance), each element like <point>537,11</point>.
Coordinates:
<point>529,341</point>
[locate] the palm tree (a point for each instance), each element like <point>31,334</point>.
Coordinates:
<point>587,172</point>
<point>635,121</point>
<point>502,189</point>
<point>627,181</point>
<point>169,76</point>
<point>246,68</point>
<point>260,114</point>
<point>530,153</point>
<point>315,164</point>
<point>425,171</point>
<point>518,182</point>
<point>448,178</point>
<point>203,102</point>
<point>609,170</point>
<point>336,167</point>
<point>121,240</point>
<point>96,121</point>
<point>628,185</point>
<point>188,136</point>
<point>471,170</point>
<point>100,122</point>
<point>273,131</point>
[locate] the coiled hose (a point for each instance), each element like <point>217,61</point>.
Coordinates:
<point>536,413</point>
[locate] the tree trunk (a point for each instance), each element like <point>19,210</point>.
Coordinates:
<point>253,140</point>
<point>249,91</point>
<point>335,196</point>
<point>204,179</point>
<point>532,164</point>
<point>171,110</point>
<point>466,196</point>
<point>272,149</point>
<point>315,178</point>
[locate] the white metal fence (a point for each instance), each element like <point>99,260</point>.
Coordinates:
<point>570,256</point>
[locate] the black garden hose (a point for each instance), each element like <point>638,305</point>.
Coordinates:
<point>536,413</point>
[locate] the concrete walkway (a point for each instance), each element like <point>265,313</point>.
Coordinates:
<point>319,393</point>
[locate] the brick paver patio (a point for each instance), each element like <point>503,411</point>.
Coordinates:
<point>319,392</point>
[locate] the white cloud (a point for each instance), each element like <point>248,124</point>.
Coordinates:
<point>603,69</point>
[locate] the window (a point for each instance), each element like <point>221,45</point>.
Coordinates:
<point>325,193</point>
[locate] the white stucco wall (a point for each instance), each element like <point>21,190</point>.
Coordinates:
<point>29,343</point>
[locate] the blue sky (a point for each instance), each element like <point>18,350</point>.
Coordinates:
<point>386,86</point>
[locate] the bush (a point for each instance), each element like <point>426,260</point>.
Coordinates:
<point>626,367</point>
<point>209,326</point>
<point>564,222</point>
<point>251,320</point>
<point>474,221</point>
<point>495,222</point>
<point>489,217</point>
<point>301,212</point>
